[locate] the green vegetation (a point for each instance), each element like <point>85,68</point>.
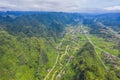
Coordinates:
<point>25,58</point>
<point>53,46</point>
<point>87,66</point>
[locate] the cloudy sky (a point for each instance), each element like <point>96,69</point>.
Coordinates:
<point>59,5</point>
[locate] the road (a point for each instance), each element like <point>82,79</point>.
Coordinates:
<point>58,55</point>
<point>66,53</point>
<point>87,36</point>
<point>58,59</point>
<point>62,68</point>
<point>110,29</point>
<point>60,65</point>
<point>94,49</point>
<point>61,59</point>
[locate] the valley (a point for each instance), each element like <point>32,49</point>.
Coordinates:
<point>59,46</point>
<point>66,55</point>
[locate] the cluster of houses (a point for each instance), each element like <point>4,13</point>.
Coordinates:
<point>110,59</point>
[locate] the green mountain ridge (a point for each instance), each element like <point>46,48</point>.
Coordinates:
<point>52,46</point>
<point>89,67</point>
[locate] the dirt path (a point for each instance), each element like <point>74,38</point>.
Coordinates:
<point>66,52</point>
<point>59,45</point>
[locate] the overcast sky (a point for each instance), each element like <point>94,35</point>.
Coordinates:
<point>59,5</point>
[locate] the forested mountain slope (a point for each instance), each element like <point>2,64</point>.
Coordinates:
<point>53,46</point>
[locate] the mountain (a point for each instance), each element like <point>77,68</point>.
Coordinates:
<point>59,46</point>
<point>88,66</point>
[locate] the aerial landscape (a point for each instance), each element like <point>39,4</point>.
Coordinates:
<point>59,40</point>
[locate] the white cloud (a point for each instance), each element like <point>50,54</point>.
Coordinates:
<point>43,5</point>
<point>56,5</point>
<point>112,8</point>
